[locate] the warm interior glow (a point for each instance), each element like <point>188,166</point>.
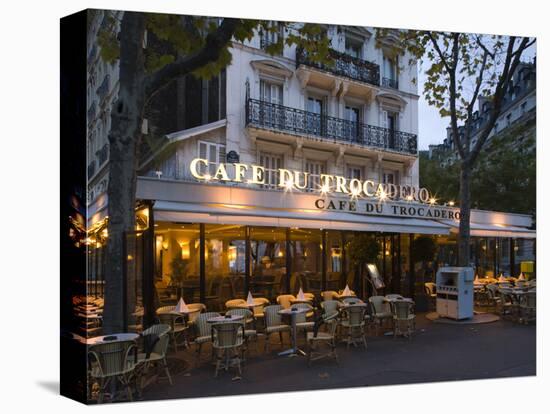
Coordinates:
<point>185,253</point>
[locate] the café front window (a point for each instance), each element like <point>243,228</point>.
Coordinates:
<point>268,261</point>
<point>225,258</point>
<point>306,254</point>
<point>177,262</point>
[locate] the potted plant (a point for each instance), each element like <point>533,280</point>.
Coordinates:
<point>362,249</point>
<point>179,271</point>
<point>423,252</point>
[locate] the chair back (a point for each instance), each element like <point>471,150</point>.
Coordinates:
<point>332,324</point>
<point>162,331</point>
<point>272,317</point>
<point>430,288</point>
<point>302,317</point>
<point>530,300</point>
<point>260,304</point>
<point>393,296</point>
<point>330,307</point>
<point>158,329</point>
<point>245,313</point>
<point>165,309</point>
<point>402,309</point>
<point>285,300</point>
<point>226,335</point>
<point>112,357</point>
<point>235,303</point>
<point>378,304</point>
<point>203,327</point>
<point>350,300</point>
<point>329,295</point>
<point>195,310</point>
<point>356,315</point>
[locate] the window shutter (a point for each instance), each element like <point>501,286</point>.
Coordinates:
<point>384,120</point>
<point>221,153</point>
<point>202,150</point>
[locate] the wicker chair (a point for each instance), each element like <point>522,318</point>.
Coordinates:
<point>166,315</point>
<point>403,318</point>
<point>111,362</point>
<point>249,323</point>
<point>274,323</point>
<point>381,311</point>
<point>227,341</point>
<point>528,307</point>
<point>302,322</point>
<point>195,309</point>
<point>316,340</point>
<point>330,307</point>
<point>285,300</point>
<point>203,331</point>
<point>353,321</point>
<point>158,354</point>
<point>329,295</point>
<point>235,303</point>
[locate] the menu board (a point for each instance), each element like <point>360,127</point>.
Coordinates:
<point>376,279</point>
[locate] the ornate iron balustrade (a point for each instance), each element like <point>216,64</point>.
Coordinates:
<point>343,65</point>
<point>267,115</point>
<point>102,154</point>
<point>390,83</point>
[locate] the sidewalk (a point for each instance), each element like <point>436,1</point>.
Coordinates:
<point>437,352</point>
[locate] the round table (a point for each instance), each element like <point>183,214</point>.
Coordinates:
<point>120,337</point>
<point>293,313</point>
<point>225,319</point>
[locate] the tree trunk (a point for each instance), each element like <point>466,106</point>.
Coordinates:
<point>123,144</point>
<point>464,228</point>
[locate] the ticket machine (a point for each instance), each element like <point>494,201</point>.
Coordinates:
<point>455,292</point>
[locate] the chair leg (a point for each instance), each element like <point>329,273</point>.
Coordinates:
<point>281,338</point>
<point>165,363</point>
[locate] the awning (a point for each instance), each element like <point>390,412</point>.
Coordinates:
<point>318,219</point>
<point>493,230</point>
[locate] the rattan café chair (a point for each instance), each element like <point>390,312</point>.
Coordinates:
<point>404,318</point>
<point>316,340</point>
<point>203,331</point>
<point>227,341</point>
<point>167,316</point>
<point>354,323</point>
<point>274,323</point>
<point>112,361</point>
<point>249,323</point>
<point>157,355</point>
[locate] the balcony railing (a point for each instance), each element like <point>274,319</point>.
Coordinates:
<point>266,115</point>
<point>343,65</point>
<point>102,154</point>
<point>390,83</point>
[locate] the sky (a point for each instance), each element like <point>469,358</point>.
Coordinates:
<point>432,129</point>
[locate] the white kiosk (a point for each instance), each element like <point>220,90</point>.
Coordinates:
<point>455,292</point>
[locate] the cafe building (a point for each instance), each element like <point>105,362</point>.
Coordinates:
<point>280,163</point>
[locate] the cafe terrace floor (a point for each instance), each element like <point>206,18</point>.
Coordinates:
<point>437,352</point>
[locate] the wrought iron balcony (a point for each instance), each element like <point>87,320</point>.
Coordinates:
<point>390,83</point>
<point>343,65</point>
<point>266,115</point>
<point>102,154</point>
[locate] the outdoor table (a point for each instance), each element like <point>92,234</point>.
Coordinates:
<point>225,319</point>
<point>120,337</point>
<point>348,304</point>
<point>293,313</point>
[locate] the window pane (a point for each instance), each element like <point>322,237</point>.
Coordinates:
<point>268,261</point>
